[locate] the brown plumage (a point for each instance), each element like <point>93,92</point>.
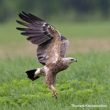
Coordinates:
<point>51,48</point>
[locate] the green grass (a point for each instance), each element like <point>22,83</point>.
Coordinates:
<point>9,34</point>
<point>84,82</point>
<point>85,29</point>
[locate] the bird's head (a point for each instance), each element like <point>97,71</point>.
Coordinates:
<point>69,60</point>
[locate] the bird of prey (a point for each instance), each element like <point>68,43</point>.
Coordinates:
<point>51,48</point>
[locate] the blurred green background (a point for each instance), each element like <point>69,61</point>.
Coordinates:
<point>72,10</point>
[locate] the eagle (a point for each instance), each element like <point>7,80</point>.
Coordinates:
<point>51,48</point>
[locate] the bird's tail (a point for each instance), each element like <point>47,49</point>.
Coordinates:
<point>32,74</point>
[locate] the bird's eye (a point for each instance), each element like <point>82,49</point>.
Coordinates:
<point>72,59</point>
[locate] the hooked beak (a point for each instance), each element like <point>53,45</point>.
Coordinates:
<point>74,60</point>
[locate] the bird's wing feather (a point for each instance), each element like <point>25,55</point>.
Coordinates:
<point>64,46</point>
<point>36,29</point>
<point>42,53</point>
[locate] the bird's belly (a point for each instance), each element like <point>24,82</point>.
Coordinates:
<point>57,67</point>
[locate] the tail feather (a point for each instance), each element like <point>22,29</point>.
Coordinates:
<point>31,74</point>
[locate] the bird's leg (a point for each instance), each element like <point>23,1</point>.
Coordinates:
<point>50,81</point>
<point>54,93</point>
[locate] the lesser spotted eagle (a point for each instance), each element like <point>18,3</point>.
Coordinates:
<point>51,48</point>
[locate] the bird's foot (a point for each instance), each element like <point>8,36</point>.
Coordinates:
<point>54,94</point>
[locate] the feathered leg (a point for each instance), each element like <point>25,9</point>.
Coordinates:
<point>50,80</point>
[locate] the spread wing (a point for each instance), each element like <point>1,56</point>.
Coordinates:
<point>36,30</point>
<point>41,33</point>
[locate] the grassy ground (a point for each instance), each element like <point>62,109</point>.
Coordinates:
<point>85,82</point>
